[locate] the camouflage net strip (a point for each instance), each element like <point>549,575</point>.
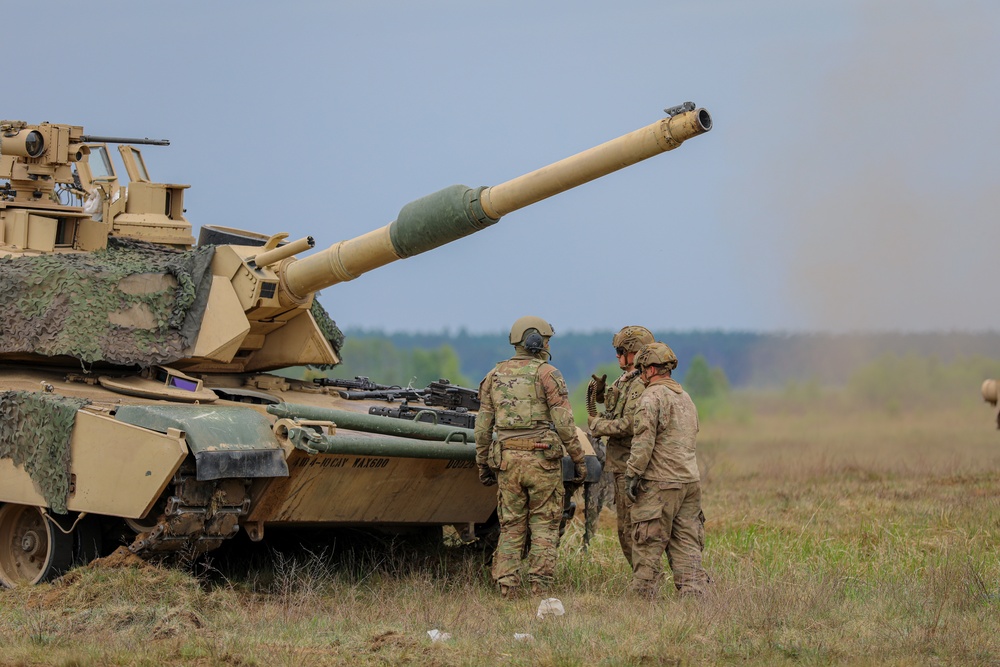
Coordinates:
<point>35,432</point>
<point>329,328</point>
<point>131,304</point>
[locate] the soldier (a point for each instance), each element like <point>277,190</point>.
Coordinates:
<point>616,421</point>
<point>525,399</point>
<point>662,480</point>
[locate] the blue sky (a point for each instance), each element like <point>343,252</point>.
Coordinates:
<point>849,183</point>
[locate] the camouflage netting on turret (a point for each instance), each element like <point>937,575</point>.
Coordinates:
<point>329,328</point>
<point>131,304</point>
<point>35,432</point>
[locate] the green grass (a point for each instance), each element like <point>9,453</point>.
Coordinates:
<point>835,535</point>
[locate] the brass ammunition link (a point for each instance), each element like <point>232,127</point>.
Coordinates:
<point>591,400</point>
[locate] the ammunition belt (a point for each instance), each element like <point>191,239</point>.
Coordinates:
<point>524,444</point>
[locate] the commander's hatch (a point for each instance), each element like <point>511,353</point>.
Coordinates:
<point>97,170</point>
<point>143,209</point>
<point>135,165</point>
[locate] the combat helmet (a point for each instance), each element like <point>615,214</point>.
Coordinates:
<point>656,354</point>
<point>523,324</point>
<point>632,338</point>
<point>531,333</point>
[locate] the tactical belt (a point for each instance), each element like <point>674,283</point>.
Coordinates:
<point>523,444</point>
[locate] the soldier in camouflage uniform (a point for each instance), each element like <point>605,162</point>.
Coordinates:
<point>616,420</point>
<point>663,481</point>
<point>525,400</point>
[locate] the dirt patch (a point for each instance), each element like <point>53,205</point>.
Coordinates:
<point>176,622</point>
<point>121,557</point>
<point>390,639</point>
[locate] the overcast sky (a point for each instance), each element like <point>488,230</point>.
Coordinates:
<point>849,183</point>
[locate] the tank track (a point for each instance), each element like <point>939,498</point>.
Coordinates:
<point>196,516</point>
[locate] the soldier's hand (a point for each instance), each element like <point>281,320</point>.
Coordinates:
<point>581,471</point>
<point>486,475</point>
<point>632,487</point>
<point>600,384</point>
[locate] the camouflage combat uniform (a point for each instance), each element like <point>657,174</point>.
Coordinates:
<point>616,423</point>
<point>667,512</point>
<point>526,400</point>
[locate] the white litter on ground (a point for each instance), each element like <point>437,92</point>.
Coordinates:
<point>550,607</point>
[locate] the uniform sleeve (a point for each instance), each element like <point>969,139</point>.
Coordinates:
<point>485,420</point>
<point>557,398</point>
<point>643,434</point>
<point>621,426</point>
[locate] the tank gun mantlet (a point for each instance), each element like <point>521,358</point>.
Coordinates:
<point>258,288</point>
<point>254,323</point>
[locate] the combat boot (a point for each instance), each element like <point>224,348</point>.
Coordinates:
<point>509,592</point>
<point>645,589</point>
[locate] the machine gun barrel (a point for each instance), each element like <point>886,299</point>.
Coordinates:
<point>94,139</point>
<point>374,424</point>
<point>389,395</point>
<point>457,211</point>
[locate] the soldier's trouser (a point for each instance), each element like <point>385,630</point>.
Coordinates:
<point>529,495</point>
<point>623,505</point>
<point>667,517</point>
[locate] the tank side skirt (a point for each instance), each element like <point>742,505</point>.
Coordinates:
<point>118,469</point>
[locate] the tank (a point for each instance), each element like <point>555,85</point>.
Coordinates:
<point>140,403</point>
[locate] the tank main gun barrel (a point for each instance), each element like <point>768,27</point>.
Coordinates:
<point>457,211</point>
<point>644,143</point>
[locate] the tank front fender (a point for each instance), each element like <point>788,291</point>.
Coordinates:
<point>227,441</point>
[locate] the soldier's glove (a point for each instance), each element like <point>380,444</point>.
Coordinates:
<point>632,486</point>
<point>486,475</point>
<point>581,471</point>
<point>599,384</point>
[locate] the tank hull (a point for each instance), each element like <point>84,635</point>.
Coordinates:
<point>146,481</point>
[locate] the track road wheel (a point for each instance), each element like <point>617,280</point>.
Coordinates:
<point>31,548</point>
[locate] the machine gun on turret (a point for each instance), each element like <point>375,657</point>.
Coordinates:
<point>457,417</point>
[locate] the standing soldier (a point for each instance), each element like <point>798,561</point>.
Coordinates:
<point>525,399</point>
<point>616,421</point>
<point>663,481</point>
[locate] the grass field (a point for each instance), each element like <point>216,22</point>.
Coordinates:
<point>835,535</point>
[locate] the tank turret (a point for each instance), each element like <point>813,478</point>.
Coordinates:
<point>133,383</point>
<point>253,308</point>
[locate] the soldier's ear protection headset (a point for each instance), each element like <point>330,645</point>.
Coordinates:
<point>534,342</point>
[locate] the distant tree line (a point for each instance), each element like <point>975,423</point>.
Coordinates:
<point>385,362</point>
<point>744,359</point>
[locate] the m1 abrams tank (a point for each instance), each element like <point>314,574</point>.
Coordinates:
<point>137,400</point>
